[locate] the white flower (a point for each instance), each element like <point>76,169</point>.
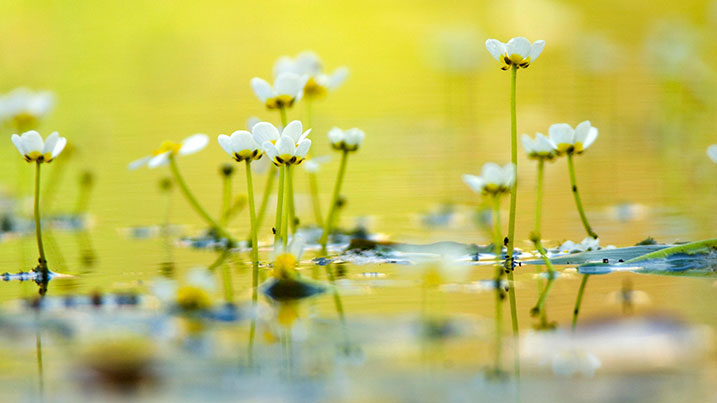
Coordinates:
<point>33,148</point>
<point>518,51</point>
<point>24,107</point>
<point>251,122</point>
<point>539,148</point>
<point>574,361</point>
<point>494,179</point>
<point>241,145</point>
<point>307,64</point>
<point>289,147</point>
<point>348,140</point>
<point>712,152</point>
<point>314,164</point>
<point>572,141</point>
<point>588,244</point>
<point>160,156</point>
<point>288,88</point>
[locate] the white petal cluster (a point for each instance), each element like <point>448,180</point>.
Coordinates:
<point>167,149</point>
<point>494,179</point>
<point>288,88</point>
<point>22,107</point>
<point>574,361</point>
<point>517,52</point>
<point>712,152</point>
<point>540,147</point>
<point>33,148</point>
<point>348,140</point>
<point>240,145</point>
<point>587,244</point>
<point>289,146</point>
<point>572,141</point>
<point>308,65</point>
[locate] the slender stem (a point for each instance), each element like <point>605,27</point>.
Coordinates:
<point>226,200</point>
<point>499,296</point>
<point>279,207</point>
<point>314,188</point>
<point>579,300</point>
<point>40,371</point>
<point>38,224</point>
<point>194,203</point>
<point>227,281</point>
<point>539,308</point>
<point>334,201</point>
<point>292,209</point>
<point>254,240</point>
<point>287,207</point>
<point>539,197</point>
<point>578,202</point>
<point>265,198</point>
<point>282,112</point>
<point>509,262</point>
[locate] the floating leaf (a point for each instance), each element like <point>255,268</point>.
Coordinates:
<point>617,255</point>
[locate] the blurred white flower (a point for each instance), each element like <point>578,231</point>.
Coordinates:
<point>33,148</point>
<point>314,164</point>
<point>588,244</point>
<point>23,107</point>
<point>240,145</point>
<point>160,156</point>
<point>494,179</point>
<point>348,140</point>
<point>518,51</point>
<point>253,120</point>
<point>289,147</point>
<point>573,361</point>
<point>288,88</point>
<point>308,65</point>
<point>572,141</point>
<point>712,152</point>
<point>539,148</point>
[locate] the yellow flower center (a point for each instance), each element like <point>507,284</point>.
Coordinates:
<point>313,89</point>
<point>38,156</point>
<point>168,146</point>
<point>282,101</point>
<point>193,298</point>
<point>285,266</point>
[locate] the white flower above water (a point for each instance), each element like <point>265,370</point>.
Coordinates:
<point>23,106</point>
<point>288,147</point>
<point>240,145</point>
<point>493,180</point>
<point>160,156</point>
<point>307,64</point>
<point>288,88</point>
<point>539,148</point>
<point>587,244</point>
<point>517,52</point>
<point>572,141</point>
<point>573,361</point>
<point>712,152</point>
<point>314,164</point>
<point>33,148</point>
<point>348,140</point>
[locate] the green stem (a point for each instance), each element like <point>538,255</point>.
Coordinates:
<point>314,188</point>
<point>290,190</point>
<point>265,197</point>
<point>509,262</point>
<point>287,207</point>
<point>499,296</point>
<point>578,202</point>
<point>254,240</point>
<point>38,224</point>
<point>282,112</point>
<point>279,207</point>
<point>579,300</point>
<point>539,308</point>
<point>334,201</point>
<point>228,286</point>
<point>194,203</point>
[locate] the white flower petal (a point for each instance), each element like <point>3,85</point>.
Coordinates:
<point>17,140</point>
<point>293,130</point>
<point>518,46</point>
<point>226,143</point>
<point>492,173</point>
<point>285,146</point>
<point>337,78</point>
<point>262,89</point>
<point>536,49</point>
<point>139,163</point>
<point>303,136</point>
<point>288,84</point>
<point>303,148</point>
<point>32,141</point>
<point>59,146</point>
<point>581,131</point>
<point>284,64</point>
<point>496,48</point>
<point>561,133</point>
<point>474,182</point>
<point>159,160</point>
<point>354,137</point>
<point>253,120</point>
<point>270,150</point>
<point>193,144</point>
<point>527,143</point>
<point>711,152</point>
<point>296,247</point>
<point>265,131</point>
<point>242,140</point>
<point>591,137</point>
<point>336,135</point>
<point>308,62</point>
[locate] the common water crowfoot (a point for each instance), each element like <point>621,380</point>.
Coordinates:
<point>345,141</point>
<point>32,147</point>
<point>572,142</point>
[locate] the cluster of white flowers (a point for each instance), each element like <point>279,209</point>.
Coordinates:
<point>563,140</point>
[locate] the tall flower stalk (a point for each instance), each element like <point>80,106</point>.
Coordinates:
<point>572,142</point>
<point>346,142</point>
<point>540,149</point>
<point>32,147</point>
